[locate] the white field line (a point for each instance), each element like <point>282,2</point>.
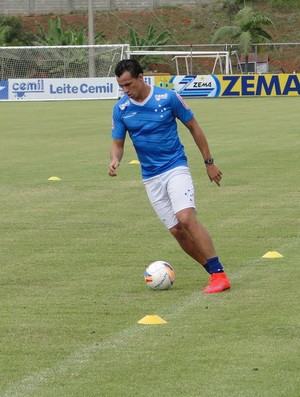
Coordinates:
<point>78,359</point>
<point>84,356</point>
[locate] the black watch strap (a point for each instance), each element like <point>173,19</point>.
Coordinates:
<point>209,161</point>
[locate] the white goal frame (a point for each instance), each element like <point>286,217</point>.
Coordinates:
<point>219,57</point>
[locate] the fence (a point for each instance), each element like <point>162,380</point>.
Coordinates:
<point>41,7</point>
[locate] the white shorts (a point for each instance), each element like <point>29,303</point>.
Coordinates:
<point>170,193</point>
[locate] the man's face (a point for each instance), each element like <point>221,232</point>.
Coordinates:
<point>132,86</point>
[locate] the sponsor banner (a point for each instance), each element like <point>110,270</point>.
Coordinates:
<point>232,85</point>
<point>56,89</point>
<point>191,86</point>
<point>3,90</point>
<point>196,86</point>
<point>260,85</point>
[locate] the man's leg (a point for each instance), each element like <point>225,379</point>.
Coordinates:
<point>193,237</point>
<point>196,242</point>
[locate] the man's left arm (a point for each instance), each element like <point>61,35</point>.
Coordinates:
<point>213,172</point>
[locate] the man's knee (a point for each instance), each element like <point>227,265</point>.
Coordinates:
<point>186,217</point>
<point>176,230</point>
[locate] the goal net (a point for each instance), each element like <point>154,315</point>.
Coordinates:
<point>60,61</point>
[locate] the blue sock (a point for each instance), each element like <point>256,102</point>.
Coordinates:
<point>213,265</point>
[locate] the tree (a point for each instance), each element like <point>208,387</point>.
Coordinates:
<point>4,32</point>
<point>231,7</point>
<point>12,32</point>
<point>245,31</point>
<point>57,35</point>
<point>147,42</point>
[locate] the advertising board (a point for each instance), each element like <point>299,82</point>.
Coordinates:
<point>58,89</point>
<point>232,85</point>
<point>196,86</point>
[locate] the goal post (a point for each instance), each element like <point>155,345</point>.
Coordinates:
<point>61,61</point>
<point>220,58</point>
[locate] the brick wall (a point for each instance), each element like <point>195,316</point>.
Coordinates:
<point>40,7</point>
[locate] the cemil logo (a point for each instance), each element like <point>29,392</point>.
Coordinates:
<point>20,89</point>
<point>3,90</point>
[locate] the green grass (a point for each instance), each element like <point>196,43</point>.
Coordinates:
<point>73,255</point>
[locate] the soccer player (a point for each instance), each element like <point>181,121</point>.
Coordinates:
<point>148,114</point>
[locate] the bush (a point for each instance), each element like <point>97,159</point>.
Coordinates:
<point>13,34</point>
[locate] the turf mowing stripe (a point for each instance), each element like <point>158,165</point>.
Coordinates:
<point>83,356</point>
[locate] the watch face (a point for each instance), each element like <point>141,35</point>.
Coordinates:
<point>209,161</point>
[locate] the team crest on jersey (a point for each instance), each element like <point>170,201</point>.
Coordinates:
<point>124,105</point>
<point>161,96</point>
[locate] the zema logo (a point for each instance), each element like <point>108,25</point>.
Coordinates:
<point>3,90</point>
<point>196,86</point>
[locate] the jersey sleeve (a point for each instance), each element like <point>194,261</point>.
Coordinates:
<point>181,109</point>
<point>118,127</point>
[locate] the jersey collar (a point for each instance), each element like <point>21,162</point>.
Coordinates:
<point>145,100</point>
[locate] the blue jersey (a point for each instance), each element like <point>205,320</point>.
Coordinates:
<point>152,128</point>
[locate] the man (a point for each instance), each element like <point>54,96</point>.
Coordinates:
<point>149,115</point>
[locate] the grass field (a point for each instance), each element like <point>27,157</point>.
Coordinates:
<point>73,253</point>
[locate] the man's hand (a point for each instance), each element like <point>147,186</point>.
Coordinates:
<point>214,174</point>
<point>112,167</point>
<point>116,154</point>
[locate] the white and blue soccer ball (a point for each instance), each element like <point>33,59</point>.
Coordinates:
<point>159,275</point>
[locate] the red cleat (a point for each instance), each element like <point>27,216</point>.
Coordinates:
<point>218,282</point>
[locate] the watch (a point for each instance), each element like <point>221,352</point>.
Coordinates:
<point>209,161</point>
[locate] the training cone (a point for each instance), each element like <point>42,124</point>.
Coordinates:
<point>272,255</point>
<point>54,178</point>
<point>134,162</point>
<point>151,320</point>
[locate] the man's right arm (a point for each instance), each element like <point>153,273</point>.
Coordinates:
<point>116,154</point>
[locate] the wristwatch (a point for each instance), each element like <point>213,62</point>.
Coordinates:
<point>209,161</point>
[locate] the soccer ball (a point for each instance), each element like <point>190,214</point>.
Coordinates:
<point>159,275</point>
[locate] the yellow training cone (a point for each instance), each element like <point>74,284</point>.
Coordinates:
<point>152,320</point>
<point>134,162</point>
<point>54,178</point>
<point>272,255</point>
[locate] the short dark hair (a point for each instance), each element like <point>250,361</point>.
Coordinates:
<point>128,65</point>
